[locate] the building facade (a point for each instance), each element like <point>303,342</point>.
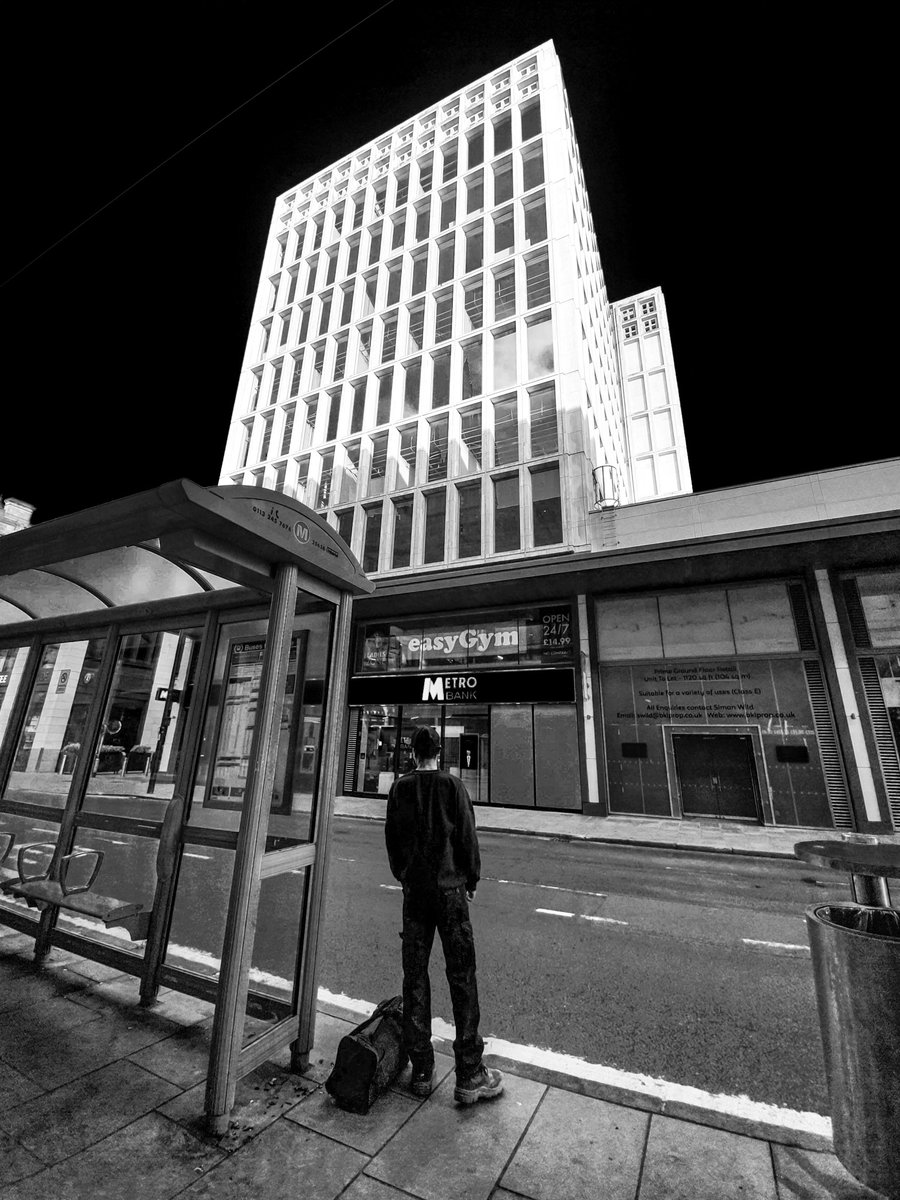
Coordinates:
<point>433,361</point>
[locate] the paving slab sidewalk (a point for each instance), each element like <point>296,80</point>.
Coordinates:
<point>133,1127</point>
<point>720,837</point>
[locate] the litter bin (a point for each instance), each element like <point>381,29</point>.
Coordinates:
<point>856,966</point>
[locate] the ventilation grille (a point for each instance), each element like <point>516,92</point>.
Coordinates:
<point>856,614</point>
<point>884,735</point>
<point>835,781</point>
<point>805,634</point>
<point>352,754</point>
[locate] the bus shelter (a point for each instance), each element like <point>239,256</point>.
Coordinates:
<point>172,670</point>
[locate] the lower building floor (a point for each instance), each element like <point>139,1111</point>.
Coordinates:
<point>773,700</point>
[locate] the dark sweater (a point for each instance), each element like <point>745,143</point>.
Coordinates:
<point>430,832</point>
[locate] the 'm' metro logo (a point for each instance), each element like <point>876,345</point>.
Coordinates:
<point>433,689</point>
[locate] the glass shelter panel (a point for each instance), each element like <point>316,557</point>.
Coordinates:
<point>56,716</point>
<point>144,723</point>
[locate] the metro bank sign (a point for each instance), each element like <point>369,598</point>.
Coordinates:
<point>450,687</point>
<point>522,685</point>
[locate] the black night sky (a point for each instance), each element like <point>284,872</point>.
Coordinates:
<point>721,159</point>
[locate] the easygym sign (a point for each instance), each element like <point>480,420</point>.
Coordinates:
<point>480,640</point>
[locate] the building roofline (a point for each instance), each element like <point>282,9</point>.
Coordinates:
<point>412,117</point>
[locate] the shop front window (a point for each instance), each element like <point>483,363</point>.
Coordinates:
<point>539,636</point>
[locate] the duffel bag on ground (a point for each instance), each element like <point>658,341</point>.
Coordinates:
<point>369,1058</point>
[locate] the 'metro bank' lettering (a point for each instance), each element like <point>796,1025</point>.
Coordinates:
<point>449,687</point>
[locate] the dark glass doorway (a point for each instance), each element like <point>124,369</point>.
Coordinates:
<point>717,776</point>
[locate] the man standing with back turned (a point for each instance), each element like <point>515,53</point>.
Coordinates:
<point>433,851</point>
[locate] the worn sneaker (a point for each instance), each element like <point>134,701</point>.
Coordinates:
<point>484,1085</point>
<point>421,1082</point>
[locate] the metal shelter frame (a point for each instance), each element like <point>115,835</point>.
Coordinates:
<point>175,556</point>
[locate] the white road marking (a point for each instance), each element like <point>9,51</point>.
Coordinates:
<point>774,945</point>
<point>606,920</point>
<point>645,1085</point>
<point>391,887</point>
<point>552,887</point>
<point>190,854</point>
<point>554,912</point>
<point>340,859</point>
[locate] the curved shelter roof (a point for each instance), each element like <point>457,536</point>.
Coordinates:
<point>173,541</point>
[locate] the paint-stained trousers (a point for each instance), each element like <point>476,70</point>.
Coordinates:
<point>447,911</point>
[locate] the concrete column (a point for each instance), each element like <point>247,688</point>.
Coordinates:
<point>848,697</point>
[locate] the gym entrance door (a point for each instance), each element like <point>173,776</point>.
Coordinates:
<point>717,776</point>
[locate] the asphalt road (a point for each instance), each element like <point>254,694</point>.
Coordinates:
<point>688,967</point>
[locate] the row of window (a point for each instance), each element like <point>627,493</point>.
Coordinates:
<point>408,330</point>
<point>406,275</point>
<point>415,180</point>
<point>417,138</point>
<point>491,433</point>
<point>430,382</point>
<point>497,515</point>
<point>476,192</point>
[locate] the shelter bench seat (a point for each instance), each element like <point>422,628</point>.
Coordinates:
<point>39,891</point>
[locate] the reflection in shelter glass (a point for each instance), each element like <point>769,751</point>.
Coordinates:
<point>55,719</point>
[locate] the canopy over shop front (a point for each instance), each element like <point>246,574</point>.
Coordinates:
<point>171,673</point>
